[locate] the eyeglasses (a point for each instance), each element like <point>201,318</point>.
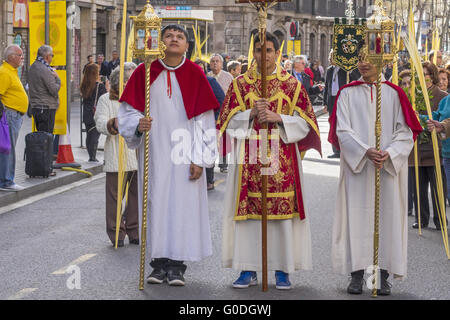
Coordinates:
<point>19,55</point>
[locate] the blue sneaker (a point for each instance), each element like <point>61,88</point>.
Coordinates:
<point>246,279</point>
<point>282,280</point>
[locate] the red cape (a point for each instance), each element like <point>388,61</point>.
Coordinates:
<point>408,112</point>
<point>198,96</point>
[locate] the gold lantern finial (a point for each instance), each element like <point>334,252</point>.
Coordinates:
<point>380,37</point>
<point>147,26</point>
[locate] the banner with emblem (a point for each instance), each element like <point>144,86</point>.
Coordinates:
<point>346,38</point>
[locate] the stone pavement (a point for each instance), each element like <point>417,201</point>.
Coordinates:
<point>35,186</point>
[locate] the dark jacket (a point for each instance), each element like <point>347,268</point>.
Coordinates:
<point>43,86</point>
<point>306,82</point>
<point>218,93</point>
<point>90,102</point>
<point>105,69</point>
<point>328,99</point>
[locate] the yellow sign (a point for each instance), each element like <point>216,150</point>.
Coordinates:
<point>298,47</point>
<point>290,47</point>
<point>57,32</point>
<point>57,35</point>
<point>61,113</point>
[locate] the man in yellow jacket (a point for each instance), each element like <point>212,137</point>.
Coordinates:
<point>15,104</point>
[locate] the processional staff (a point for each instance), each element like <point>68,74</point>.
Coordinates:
<point>379,51</point>
<point>262,6</point>
<point>148,47</point>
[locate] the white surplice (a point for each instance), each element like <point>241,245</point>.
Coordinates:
<point>178,222</point>
<point>353,229</point>
<point>288,241</point>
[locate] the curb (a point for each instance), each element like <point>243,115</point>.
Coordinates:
<point>47,184</point>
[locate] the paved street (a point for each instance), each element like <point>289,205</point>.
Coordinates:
<point>40,240</point>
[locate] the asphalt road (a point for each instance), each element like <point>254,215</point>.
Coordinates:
<point>40,240</point>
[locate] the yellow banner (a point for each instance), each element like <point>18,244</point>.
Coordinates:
<point>57,32</point>
<point>57,35</point>
<point>290,47</point>
<point>297,47</point>
<point>61,113</point>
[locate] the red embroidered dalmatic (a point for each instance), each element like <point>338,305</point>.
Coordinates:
<point>284,193</point>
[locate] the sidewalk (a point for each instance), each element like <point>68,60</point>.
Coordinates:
<point>34,186</point>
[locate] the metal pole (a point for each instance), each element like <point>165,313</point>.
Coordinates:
<point>47,23</point>
<point>69,47</point>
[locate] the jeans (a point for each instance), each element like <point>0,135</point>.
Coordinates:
<point>92,137</point>
<point>210,175</point>
<point>8,161</point>
<point>447,175</point>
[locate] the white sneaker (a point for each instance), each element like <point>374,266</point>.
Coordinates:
<point>13,187</point>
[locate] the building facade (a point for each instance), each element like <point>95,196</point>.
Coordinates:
<point>229,31</point>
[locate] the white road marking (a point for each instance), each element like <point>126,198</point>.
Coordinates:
<point>22,293</point>
<point>77,261</point>
<point>49,193</point>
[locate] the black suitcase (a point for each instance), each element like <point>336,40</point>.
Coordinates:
<point>38,154</point>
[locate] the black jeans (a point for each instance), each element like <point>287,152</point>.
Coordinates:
<point>168,264</point>
<point>210,175</point>
<point>44,118</point>
<point>92,137</point>
<point>427,176</point>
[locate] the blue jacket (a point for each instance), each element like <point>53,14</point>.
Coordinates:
<point>442,113</point>
<point>218,92</point>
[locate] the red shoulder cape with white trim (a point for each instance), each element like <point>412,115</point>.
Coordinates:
<point>197,94</point>
<point>408,112</point>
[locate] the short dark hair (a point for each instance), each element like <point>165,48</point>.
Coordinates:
<point>269,37</point>
<point>176,27</point>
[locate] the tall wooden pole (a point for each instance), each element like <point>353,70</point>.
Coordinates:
<point>376,233</point>
<point>264,177</point>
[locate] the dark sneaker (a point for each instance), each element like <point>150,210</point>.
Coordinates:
<point>157,276</point>
<point>134,241</point>
<point>282,280</point>
<point>175,278</point>
<point>356,284</point>
<point>246,279</point>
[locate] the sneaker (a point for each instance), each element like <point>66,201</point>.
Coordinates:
<point>157,276</point>
<point>210,186</point>
<point>224,170</point>
<point>246,279</point>
<point>282,280</point>
<point>356,284</point>
<point>13,187</point>
<point>175,278</point>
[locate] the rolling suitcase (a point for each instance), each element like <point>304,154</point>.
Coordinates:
<point>38,154</point>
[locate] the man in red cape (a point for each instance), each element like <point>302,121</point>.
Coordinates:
<point>182,143</point>
<point>352,130</point>
<point>292,129</point>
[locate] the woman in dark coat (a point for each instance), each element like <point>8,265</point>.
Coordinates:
<point>91,89</point>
